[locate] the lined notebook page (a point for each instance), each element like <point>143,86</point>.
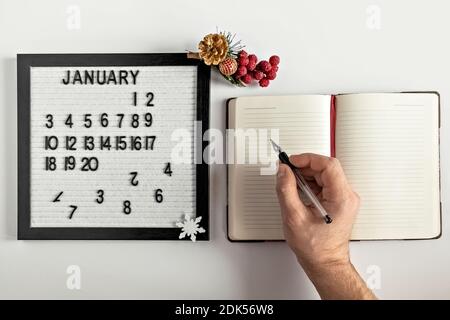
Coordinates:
<point>388,145</point>
<point>304,126</point>
<point>110,196</point>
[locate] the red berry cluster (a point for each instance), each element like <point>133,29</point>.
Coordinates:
<point>250,69</point>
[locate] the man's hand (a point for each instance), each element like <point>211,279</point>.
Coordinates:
<point>314,242</point>
<point>322,249</point>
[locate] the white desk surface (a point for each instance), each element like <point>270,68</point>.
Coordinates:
<point>325,47</point>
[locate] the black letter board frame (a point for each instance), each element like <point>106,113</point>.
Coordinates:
<point>24,64</point>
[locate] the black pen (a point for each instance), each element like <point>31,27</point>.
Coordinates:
<point>301,183</point>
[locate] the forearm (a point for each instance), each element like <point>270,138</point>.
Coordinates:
<point>339,282</point>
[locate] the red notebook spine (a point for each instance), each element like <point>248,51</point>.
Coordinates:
<point>333,125</point>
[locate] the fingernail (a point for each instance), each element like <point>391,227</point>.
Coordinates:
<point>280,172</point>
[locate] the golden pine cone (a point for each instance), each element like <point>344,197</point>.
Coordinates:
<point>228,66</point>
<point>213,49</point>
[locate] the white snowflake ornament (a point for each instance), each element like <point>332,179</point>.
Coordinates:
<point>190,227</point>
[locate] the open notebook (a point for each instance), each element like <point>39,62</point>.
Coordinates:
<point>387,143</point>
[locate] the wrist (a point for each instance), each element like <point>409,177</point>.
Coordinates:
<point>339,280</point>
<point>323,270</point>
<point>319,268</point>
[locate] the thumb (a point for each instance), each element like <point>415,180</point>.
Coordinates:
<point>290,202</point>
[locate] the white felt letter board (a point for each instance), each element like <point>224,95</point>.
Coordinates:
<point>107,146</point>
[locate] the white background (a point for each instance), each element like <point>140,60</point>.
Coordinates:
<point>325,47</point>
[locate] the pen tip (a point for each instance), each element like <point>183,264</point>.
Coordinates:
<point>275,146</point>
